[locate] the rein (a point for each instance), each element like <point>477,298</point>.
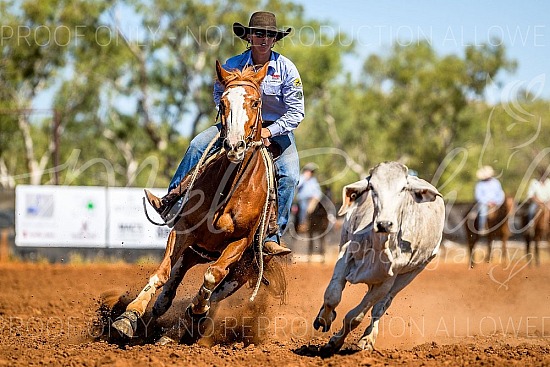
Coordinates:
<point>250,143</point>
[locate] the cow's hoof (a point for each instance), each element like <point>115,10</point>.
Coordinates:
<point>126,324</point>
<point>327,350</point>
<point>319,322</point>
<point>165,340</point>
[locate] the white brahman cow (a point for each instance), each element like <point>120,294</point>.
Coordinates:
<point>392,230</point>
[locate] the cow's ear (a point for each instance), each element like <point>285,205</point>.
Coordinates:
<point>351,192</point>
<point>421,190</point>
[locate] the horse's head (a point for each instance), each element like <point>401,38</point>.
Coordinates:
<point>240,109</point>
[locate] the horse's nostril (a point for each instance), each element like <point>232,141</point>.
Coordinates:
<point>241,145</point>
<point>226,145</point>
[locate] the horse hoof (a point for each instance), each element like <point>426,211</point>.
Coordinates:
<point>164,340</point>
<point>126,324</point>
<point>195,316</point>
<point>327,350</point>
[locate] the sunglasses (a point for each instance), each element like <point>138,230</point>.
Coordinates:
<point>263,34</point>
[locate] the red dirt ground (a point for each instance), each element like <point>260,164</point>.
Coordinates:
<point>449,316</point>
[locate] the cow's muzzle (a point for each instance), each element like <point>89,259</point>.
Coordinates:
<point>383,226</point>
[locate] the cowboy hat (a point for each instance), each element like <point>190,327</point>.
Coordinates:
<point>310,167</point>
<point>485,173</point>
<point>260,20</point>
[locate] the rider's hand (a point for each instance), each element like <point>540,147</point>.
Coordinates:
<point>265,134</point>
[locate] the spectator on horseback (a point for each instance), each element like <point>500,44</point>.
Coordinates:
<point>282,111</point>
<point>488,193</point>
<point>538,194</point>
<point>308,196</point>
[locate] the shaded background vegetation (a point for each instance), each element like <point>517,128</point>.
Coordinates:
<point>132,83</point>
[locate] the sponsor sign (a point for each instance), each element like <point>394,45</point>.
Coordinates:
<point>127,225</point>
<point>54,216</point>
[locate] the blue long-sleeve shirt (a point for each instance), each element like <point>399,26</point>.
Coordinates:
<point>282,91</point>
<point>308,188</point>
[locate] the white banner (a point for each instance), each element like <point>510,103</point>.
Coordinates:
<point>128,227</point>
<point>53,216</point>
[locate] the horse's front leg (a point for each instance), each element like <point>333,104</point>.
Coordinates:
<point>188,259</point>
<point>215,273</point>
<point>126,323</point>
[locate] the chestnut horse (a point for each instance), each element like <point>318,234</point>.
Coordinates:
<point>222,216</point>
<point>498,219</point>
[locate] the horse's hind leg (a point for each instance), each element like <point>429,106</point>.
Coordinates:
<point>505,258</point>
<point>126,323</point>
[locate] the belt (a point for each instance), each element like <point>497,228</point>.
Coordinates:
<point>267,123</point>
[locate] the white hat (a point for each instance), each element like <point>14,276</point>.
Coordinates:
<point>485,173</point>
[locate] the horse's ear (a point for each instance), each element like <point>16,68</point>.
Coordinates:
<point>221,73</point>
<point>260,75</point>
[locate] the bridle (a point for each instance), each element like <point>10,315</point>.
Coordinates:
<point>250,139</point>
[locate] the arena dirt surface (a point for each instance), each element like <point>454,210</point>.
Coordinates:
<point>449,316</point>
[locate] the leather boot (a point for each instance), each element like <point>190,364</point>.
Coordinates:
<point>272,226</point>
<point>275,249</point>
<point>163,205</point>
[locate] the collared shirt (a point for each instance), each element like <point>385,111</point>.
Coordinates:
<point>540,190</point>
<point>282,91</point>
<point>489,191</point>
<point>308,187</point>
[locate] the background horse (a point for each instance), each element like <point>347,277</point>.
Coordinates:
<point>318,225</point>
<point>498,226</point>
<point>536,230</point>
<point>219,220</point>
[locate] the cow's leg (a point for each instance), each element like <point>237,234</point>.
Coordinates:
<point>188,259</point>
<point>333,293</point>
<point>354,317</point>
<point>215,273</point>
<point>126,323</point>
<point>401,281</point>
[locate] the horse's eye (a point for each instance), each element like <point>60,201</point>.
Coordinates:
<point>256,103</point>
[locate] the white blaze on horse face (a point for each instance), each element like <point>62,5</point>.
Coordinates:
<point>237,117</point>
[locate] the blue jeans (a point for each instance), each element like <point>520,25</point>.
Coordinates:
<point>483,211</point>
<point>532,211</point>
<point>287,170</point>
<point>303,204</point>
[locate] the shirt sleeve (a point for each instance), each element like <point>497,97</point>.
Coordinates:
<point>293,97</point>
<point>218,91</point>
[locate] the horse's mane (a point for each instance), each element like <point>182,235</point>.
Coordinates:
<point>242,75</point>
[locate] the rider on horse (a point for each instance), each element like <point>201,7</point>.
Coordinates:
<point>282,111</point>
